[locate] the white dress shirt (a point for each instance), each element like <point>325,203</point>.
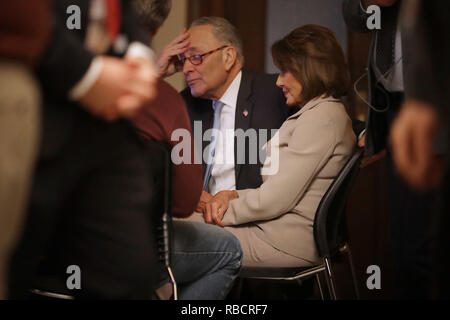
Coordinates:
<point>223,174</point>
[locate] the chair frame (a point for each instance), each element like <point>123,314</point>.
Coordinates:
<point>326,252</point>
<point>164,230</point>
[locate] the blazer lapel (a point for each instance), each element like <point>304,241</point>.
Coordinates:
<point>311,104</point>
<point>244,111</point>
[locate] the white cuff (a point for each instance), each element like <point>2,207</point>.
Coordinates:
<point>88,80</point>
<point>361,134</point>
<point>140,50</point>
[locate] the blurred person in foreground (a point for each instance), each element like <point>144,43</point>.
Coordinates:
<point>388,72</point>
<point>425,112</point>
<point>91,190</point>
<point>24,32</point>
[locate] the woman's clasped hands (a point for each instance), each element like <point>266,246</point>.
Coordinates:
<point>215,207</point>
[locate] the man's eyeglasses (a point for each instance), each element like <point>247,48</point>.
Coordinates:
<point>195,59</point>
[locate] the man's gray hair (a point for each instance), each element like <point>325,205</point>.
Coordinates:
<point>225,32</point>
<point>152,13</point>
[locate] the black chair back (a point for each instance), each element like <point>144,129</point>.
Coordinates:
<point>161,215</point>
<point>330,228</point>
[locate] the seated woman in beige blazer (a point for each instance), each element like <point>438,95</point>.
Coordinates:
<point>274,222</point>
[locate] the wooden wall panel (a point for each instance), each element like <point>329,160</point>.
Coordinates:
<point>368,219</point>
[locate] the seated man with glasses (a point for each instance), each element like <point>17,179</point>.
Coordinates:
<point>224,95</point>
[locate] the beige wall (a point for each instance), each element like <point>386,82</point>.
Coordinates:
<point>282,19</point>
<point>176,21</point>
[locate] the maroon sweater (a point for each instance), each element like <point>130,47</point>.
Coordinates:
<point>157,120</point>
<point>24,29</point>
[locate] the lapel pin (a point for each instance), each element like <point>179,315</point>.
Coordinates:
<point>245,113</point>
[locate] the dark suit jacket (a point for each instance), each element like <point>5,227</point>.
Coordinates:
<point>266,109</point>
<point>24,29</point>
<point>63,64</point>
<point>424,22</point>
<point>377,128</point>
<point>80,152</point>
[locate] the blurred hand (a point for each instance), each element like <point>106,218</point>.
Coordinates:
<point>365,161</point>
<point>165,64</point>
<point>121,89</point>
<point>412,138</point>
<point>142,87</point>
<point>205,197</point>
<point>216,208</point>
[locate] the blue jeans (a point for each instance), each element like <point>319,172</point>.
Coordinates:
<point>206,260</point>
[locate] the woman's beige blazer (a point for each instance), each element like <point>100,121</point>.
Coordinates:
<point>302,160</point>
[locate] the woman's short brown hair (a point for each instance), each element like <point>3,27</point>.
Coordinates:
<point>315,58</point>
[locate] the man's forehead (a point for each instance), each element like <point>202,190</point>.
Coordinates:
<point>204,30</point>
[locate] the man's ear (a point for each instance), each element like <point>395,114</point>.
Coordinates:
<point>229,57</point>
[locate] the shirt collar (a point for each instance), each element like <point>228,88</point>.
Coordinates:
<point>230,96</point>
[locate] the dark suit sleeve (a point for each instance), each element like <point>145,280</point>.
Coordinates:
<point>354,17</point>
<point>418,79</point>
<point>427,75</point>
<point>427,67</point>
<point>65,60</point>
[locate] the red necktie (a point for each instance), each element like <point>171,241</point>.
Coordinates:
<point>113,18</point>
